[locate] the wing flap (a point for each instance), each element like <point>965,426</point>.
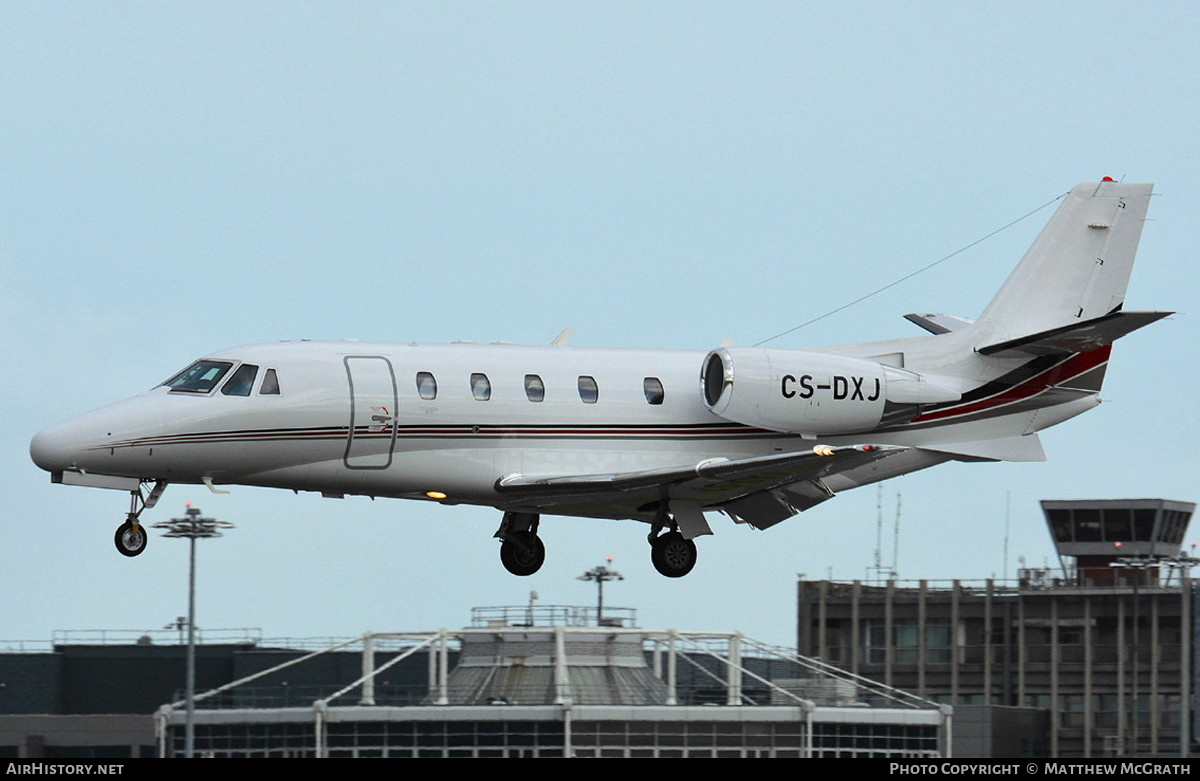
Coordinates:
<point>761,510</point>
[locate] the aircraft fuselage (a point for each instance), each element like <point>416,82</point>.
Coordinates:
<point>659,436</point>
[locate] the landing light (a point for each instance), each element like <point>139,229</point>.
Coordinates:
<point>435,494</point>
<point>823,450</point>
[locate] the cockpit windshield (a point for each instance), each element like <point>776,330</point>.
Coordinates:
<point>200,377</point>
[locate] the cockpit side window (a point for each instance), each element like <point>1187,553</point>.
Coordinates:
<point>200,377</point>
<point>242,381</point>
<point>270,384</point>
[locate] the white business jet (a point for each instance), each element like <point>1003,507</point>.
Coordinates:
<point>662,437</point>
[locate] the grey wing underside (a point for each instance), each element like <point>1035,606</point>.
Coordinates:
<point>761,491</point>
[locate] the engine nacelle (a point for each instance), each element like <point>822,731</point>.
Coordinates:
<point>812,393</point>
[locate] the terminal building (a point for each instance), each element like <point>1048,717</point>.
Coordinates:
<point>1104,646</point>
<point>517,683</point>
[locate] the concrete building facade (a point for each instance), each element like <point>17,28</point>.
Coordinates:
<point>1105,646</point>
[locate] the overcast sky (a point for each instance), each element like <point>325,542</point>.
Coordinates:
<point>177,178</point>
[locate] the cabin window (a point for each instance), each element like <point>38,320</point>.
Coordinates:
<point>200,377</point>
<point>270,384</point>
<point>534,389</point>
<point>481,387</point>
<point>653,388</point>
<point>241,382</point>
<point>426,386</point>
<point>588,390</point>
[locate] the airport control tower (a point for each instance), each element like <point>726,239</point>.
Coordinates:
<point>1104,651</point>
<point>1110,538</point>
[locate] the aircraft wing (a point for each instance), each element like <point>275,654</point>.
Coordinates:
<point>762,490</point>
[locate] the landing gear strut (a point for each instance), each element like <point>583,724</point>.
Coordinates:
<point>131,537</point>
<point>521,550</point>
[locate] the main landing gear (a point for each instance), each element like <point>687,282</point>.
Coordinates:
<point>521,549</point>
<point>131,536</point>
<point>671,554</point>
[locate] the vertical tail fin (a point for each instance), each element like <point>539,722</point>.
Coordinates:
<point>1077,269</point>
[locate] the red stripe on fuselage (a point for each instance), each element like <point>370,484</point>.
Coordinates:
<point>1072,367</point>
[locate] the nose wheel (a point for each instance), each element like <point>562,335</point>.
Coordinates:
<point>131,537</point>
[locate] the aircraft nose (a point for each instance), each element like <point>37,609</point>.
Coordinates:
<point>83,442</point>
<point>54,449</point>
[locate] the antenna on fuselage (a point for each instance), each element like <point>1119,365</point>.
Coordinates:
<point>564,338</point>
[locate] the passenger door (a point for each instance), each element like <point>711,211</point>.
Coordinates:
<point>372,435</point>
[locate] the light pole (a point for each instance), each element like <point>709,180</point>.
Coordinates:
<point>600,575</point>
<point>192,527</point>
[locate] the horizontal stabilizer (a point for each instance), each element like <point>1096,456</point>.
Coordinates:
<point>1023,448</point>
<point>1079,338</point>
<point>939,324</point>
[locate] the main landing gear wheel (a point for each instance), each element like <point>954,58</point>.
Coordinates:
<point>672,555</point>
<point>522,553</point>
<point>131,538</point>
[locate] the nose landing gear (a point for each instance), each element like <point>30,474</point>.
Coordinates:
<point>131,537</point>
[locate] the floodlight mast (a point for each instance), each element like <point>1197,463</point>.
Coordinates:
<point>192,527</point>
<point>600,575</point>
